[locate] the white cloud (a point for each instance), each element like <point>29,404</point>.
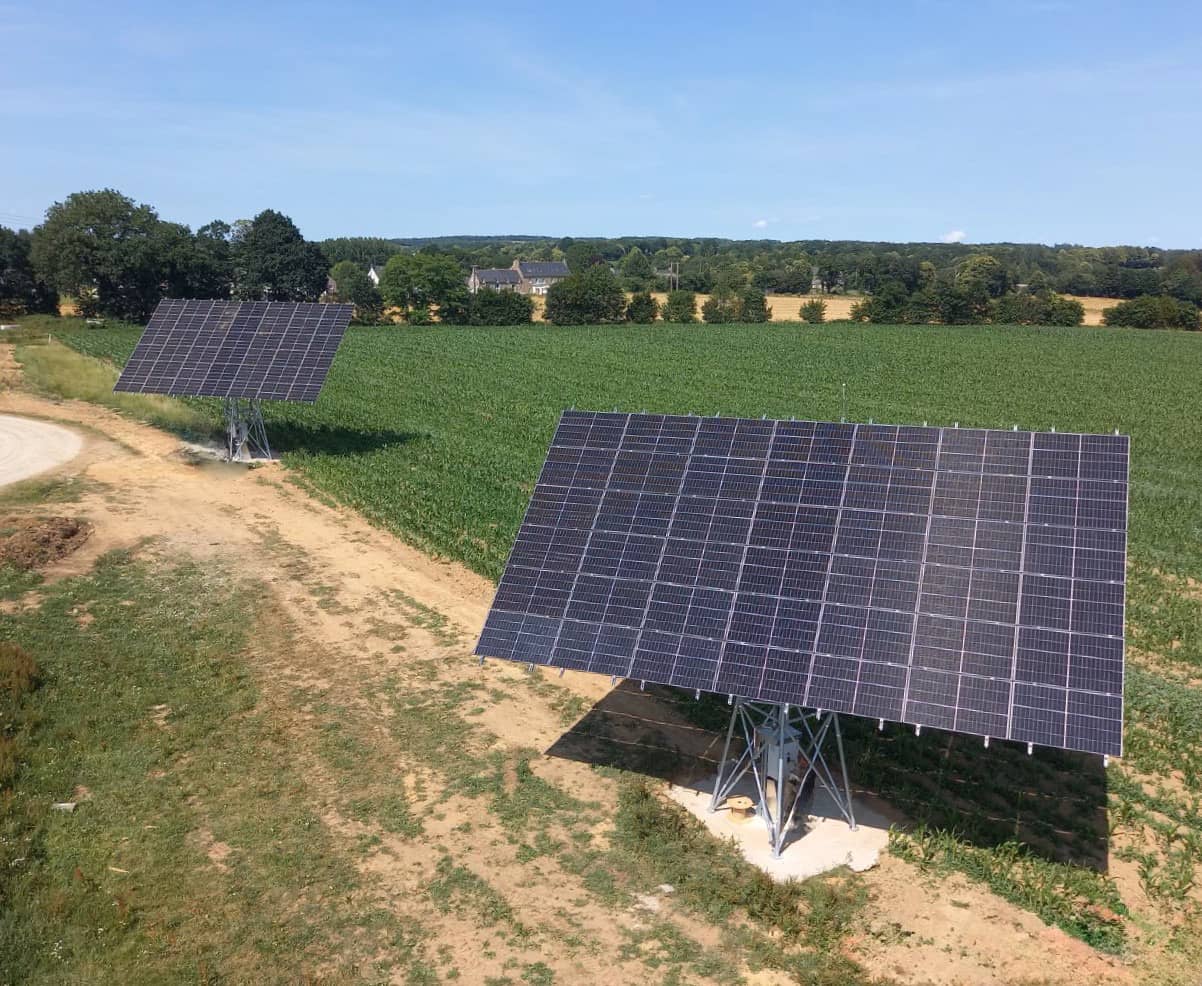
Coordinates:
<point>760,224</point>
<point>953,236</point>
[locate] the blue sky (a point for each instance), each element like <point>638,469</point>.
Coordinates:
<point>1027,120</point>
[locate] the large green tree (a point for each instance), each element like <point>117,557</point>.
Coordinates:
<point>813,311</point>
<point>353,286</point>
<point>488,307</point>
<point>724,305</point>
<point>680,307</point>
<point>415,281</point>
<point>982,277</point>
<point>753,306</point>
<point>580,255</point>
<point>366,251</point>
<point>587,298</point>
<point>104,245</point>
<point>212,273</point>
<point>637,270</point>
<point>956,304</point>
<point>180,262</point>
<point>642,308</point>
<point>1036,308</point>
<point>273,262</point>
<point>888,304</point>
<point>1153,312</point>
<point>21,291</point>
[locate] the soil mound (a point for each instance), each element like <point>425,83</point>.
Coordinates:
<point>30,542</point>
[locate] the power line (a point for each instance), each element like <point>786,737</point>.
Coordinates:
<point>17,217</point>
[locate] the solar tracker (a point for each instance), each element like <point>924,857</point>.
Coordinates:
<point>958,578</point>
<point>262,350</point>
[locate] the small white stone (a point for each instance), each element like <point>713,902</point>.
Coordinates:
<point>647,902</point>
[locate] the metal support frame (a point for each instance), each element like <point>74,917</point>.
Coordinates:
<point>245,432</point>
<point>783,747</point>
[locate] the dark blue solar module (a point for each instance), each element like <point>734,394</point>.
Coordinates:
<point>267,350</point>
<point>957,578</point>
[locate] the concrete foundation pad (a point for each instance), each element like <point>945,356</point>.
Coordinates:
<point>820,842</point>
<point>28,447</point>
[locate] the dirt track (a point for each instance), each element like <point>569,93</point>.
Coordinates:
<point>329,572</point>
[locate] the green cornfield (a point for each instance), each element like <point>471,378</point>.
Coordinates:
<point>438,433</point>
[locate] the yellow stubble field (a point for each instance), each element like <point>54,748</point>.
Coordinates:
<point>785,308</point>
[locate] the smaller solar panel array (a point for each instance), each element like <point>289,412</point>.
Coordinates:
<point>265,350</point>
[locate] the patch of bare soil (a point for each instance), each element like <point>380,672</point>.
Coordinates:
<point>949,931</point>
<point>216,852</point>
<point>33,542</point>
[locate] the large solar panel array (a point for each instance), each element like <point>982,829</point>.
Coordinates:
<point>963,579</point>
<point>268,350</point>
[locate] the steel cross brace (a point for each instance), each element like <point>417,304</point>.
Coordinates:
<point>765,728</point>
<point>245,432</point>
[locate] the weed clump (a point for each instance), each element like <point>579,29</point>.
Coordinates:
<point>18,677</point>
<point>1083,903</point>
<point>711,877</point>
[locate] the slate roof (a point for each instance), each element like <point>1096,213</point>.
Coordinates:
<point>497,275</point>
<point>543,268</point>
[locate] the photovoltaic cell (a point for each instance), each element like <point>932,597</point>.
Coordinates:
<point>964,579</point>
<point>266,350</point>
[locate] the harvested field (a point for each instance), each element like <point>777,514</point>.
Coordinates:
<point>1093,307</point>
<point>786,307</point>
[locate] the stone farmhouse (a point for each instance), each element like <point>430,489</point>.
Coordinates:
<point>524,277</point>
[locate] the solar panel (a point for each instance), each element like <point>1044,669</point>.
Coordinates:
<point>964,579</point>
<point>267,350</point>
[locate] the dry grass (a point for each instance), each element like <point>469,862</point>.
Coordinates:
<point>55,369</point>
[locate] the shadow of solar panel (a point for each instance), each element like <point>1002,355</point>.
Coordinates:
<point>262,350</point>
<point>963,579</point>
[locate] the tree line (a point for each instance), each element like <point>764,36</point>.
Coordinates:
<point>1004,283</point>
<point>795,267</point>
<point>116,257</point>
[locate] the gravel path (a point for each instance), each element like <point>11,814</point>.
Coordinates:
<point>28,447</point>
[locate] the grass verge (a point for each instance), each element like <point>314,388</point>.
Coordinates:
<point>52,368</point>
<point>192,853</point>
